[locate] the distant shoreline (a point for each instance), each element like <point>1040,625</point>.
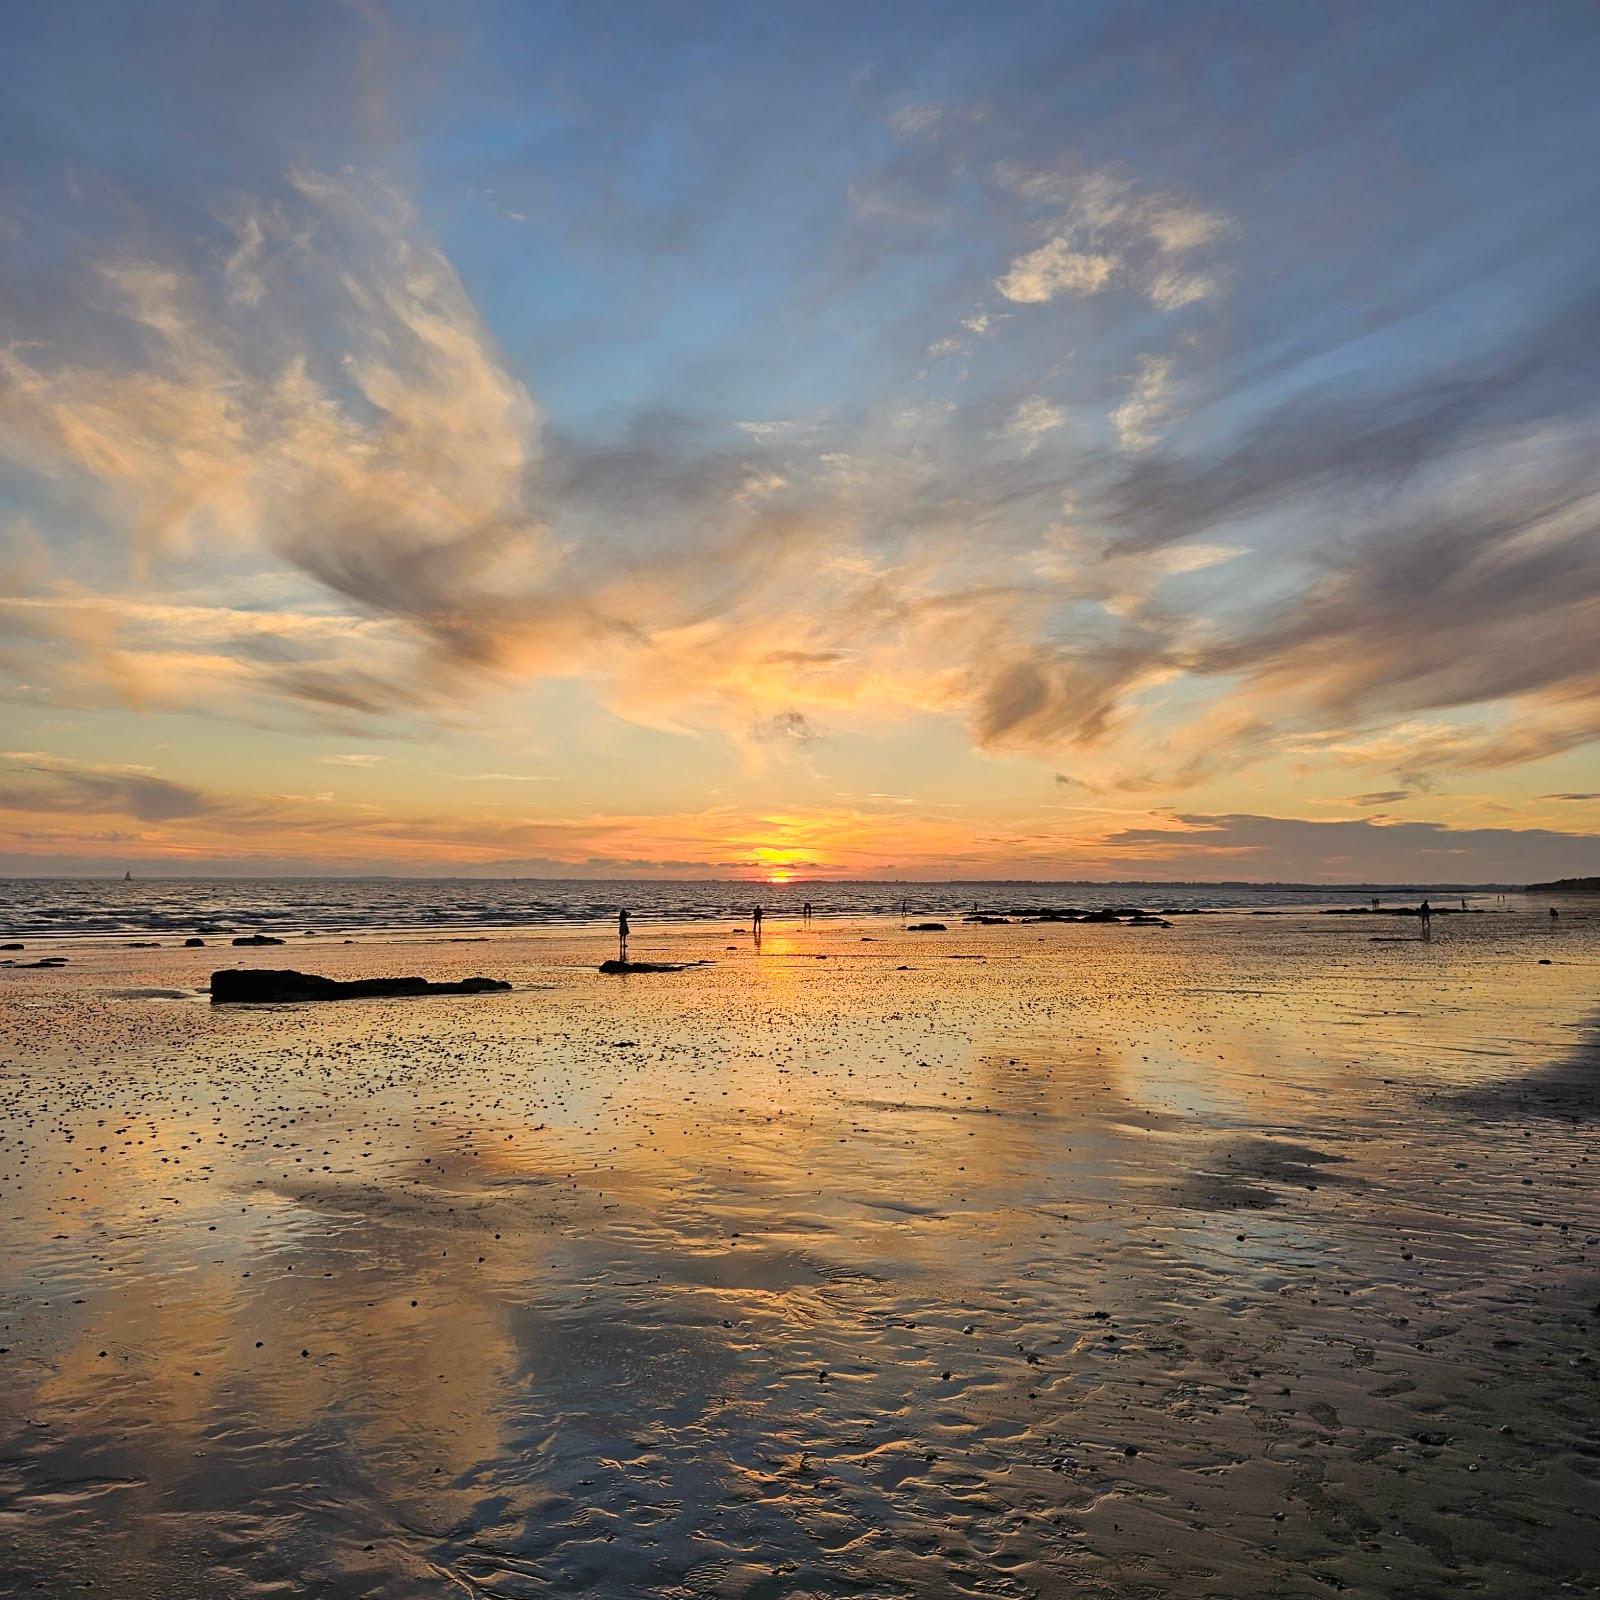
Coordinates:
<point>1581,885</point>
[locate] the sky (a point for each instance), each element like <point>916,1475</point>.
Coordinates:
<point>926,440</point>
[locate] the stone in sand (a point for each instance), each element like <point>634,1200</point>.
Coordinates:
<point>257,938</point>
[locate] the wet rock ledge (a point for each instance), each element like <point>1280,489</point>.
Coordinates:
<point>268,986</point>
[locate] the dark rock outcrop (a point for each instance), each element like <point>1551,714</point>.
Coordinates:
<point>649,966</point>
<point>268,986</point>
<point>257,938</point>
<point>927,927</point>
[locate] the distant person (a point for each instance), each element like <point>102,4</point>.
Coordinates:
<point>1374,902</point>
<point>622,936</point>
<point>1463,905</point>
<point>1555,916</point>
<point>1425,911</point>
<point>805,911</point>
<point>755,924</point>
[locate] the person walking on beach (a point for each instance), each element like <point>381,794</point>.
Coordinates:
<point>1425,911</point>
<point>622,935</point>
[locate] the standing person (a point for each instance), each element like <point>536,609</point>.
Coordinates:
<point>622,935</point>
<point>755,924</point>
<point>1425,911</point>
<point>805,911</point>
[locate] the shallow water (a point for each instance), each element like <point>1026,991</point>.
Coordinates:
<point>78,908</point>
<point>1243,1257</point>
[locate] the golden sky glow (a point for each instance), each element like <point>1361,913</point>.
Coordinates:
<point>456,467</point>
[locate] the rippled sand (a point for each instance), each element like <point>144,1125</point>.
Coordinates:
<point>1245,1257</point>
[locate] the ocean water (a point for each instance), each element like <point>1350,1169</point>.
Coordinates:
<point>76,907</point>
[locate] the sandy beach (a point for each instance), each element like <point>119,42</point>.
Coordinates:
<point>1251,1256</point>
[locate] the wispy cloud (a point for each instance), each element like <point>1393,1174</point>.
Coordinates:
<point>1148,404</point>
<point>1105,229</point>
<point>1033,419</point>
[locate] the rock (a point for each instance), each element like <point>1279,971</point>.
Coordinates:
<point>257,938</point>
<point>11,947</point>
<point>46,961</point>
<point>194,944</point>
<point>267,986</point>
<point>647,966</point>
<point>927,927</point>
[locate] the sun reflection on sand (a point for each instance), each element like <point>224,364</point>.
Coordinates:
<point>612,1277</point>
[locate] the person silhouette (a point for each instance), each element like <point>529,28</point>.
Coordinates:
<point>1555,916</point>
<point>755,924</point>
<point>1425,911</point>
<point>805,911</point>
<point>622,935</point>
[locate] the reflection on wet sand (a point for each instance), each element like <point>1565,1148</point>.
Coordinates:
<point>1184,1261</point>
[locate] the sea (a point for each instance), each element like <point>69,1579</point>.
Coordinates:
<point>86,907</point>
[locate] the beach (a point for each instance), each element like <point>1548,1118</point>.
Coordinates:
<point>1251,1255</point>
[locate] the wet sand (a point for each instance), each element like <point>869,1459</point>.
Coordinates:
<point>1246,1257</point>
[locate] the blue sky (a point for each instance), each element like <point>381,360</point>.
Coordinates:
<point>717,419</point>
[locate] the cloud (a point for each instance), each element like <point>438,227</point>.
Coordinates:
<point>1033,419</point>
<point>1171,290</point>
<point>1148,405</point>
<point>1056,269</point>
<point>1485,592</point>
<point>793,726</point>
<point>916,119</point>
<point>1107,230</point>
<point>348,426</point>
<point>1381,797</point>
<point>53,784</point>
<point>1347,441</point>
<point>1288,849</point>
